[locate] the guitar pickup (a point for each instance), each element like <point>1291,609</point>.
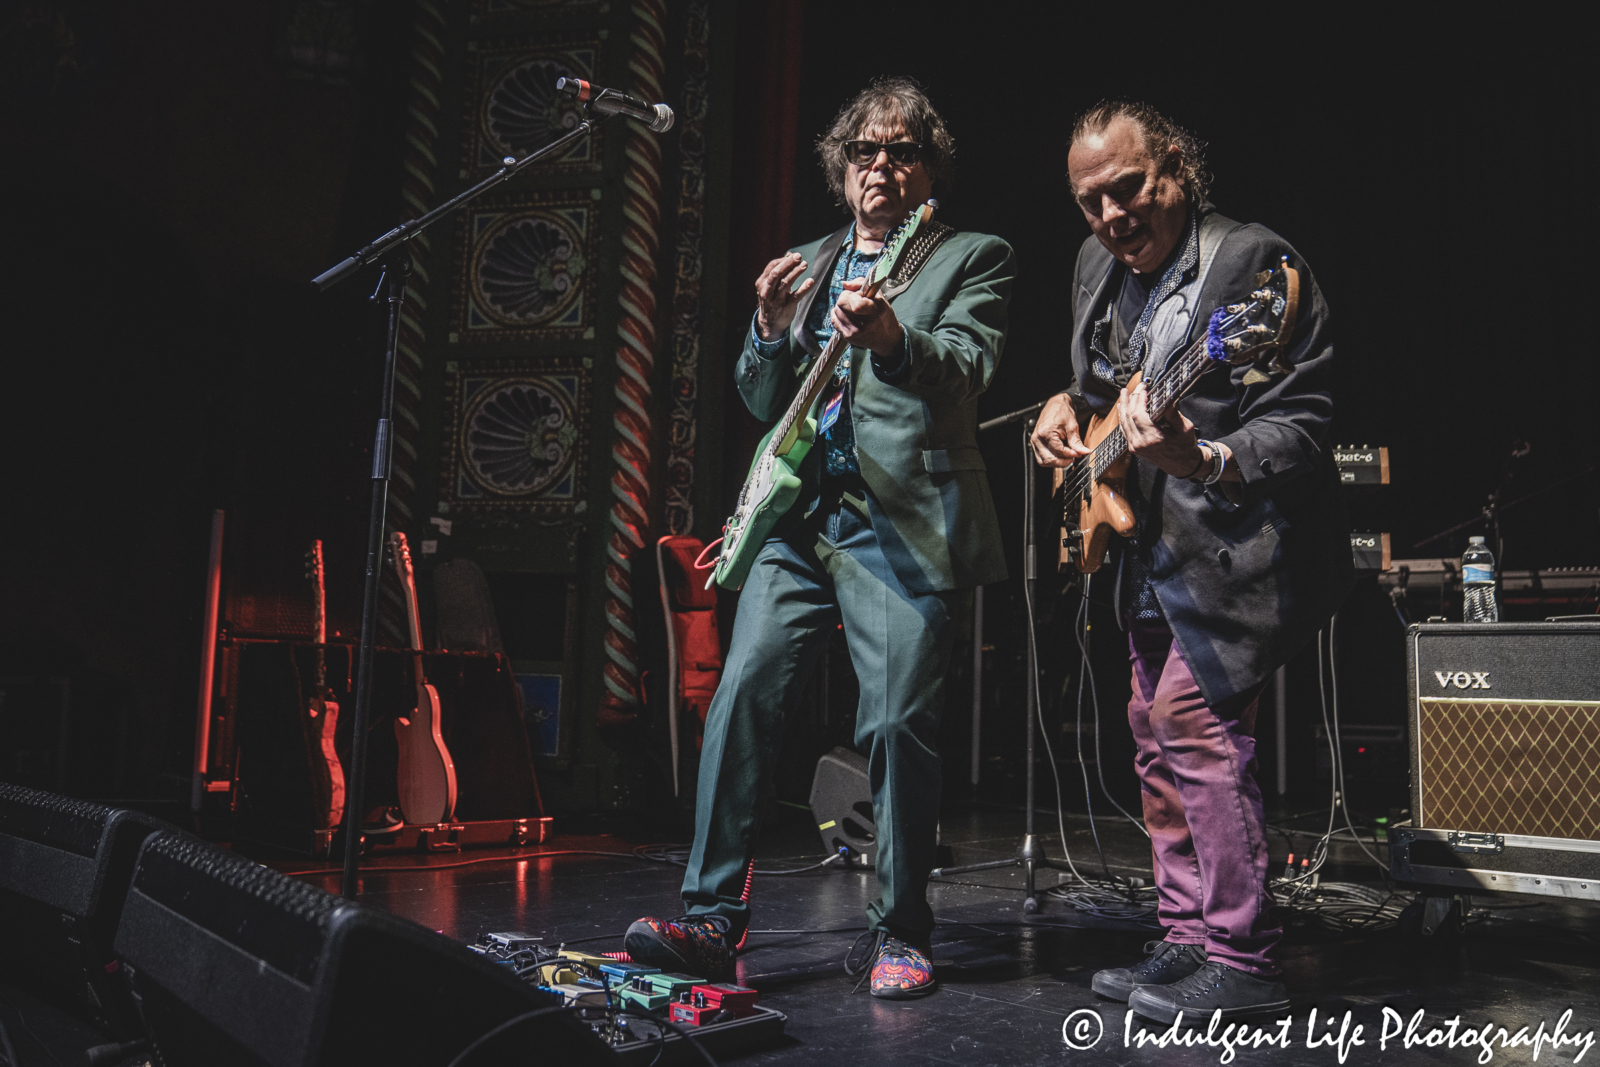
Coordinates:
<point>1072,541</point>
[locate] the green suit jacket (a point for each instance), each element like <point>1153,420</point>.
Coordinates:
<point>916,435</point>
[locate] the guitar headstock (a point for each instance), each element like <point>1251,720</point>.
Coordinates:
<point>899,241</point>
<point>1257,329</point>
<point>402,554</point>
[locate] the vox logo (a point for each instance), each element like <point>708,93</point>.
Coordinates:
<point>1463,679</point>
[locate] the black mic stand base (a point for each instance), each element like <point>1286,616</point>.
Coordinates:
<point>1030,857</point>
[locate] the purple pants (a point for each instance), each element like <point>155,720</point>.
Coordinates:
<point>1202,806</point>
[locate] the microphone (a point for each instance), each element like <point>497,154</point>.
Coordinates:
<point>610,102</point>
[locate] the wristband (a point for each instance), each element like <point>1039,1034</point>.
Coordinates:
<point>1218,462</point>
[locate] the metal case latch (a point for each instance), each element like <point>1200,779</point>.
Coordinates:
<point>1477,844</point>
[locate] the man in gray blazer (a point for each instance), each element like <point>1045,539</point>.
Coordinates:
<point>1240,552</point>
<point>895,520</point>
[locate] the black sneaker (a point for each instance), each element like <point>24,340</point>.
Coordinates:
<point>693,944</point>
<point>1215,985</point>
<point>1168,963</point>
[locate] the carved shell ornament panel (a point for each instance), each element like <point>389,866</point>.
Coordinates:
<point>528,269</point>
<point>523,111</point>
<point>518,437</point>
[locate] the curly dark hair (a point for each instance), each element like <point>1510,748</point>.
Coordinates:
<point>885,102</point>
<point>1159,133</point>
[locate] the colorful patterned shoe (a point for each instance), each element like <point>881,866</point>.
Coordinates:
<point>693,944</point>
<point>898,971</point>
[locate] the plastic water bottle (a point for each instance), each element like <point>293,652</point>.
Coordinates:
<point>1477,583</point>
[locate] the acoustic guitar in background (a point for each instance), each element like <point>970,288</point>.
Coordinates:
<point>427,775</point>
<point>321,713</point>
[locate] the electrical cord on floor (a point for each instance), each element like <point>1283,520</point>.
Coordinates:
<point>1087,671</point>
<point>613,1014</point>
<point>1109,898</point>
<point>1338,742</point>
<point>1083,768</point>
<point>517,857</point>
<point>678,856</point>
<point>1328,678</point>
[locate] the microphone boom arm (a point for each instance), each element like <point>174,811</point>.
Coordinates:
<point>407,230</point>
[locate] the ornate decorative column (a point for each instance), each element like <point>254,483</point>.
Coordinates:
<point>630,482</point>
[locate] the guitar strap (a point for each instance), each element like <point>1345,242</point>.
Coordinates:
<point>923,246</point>
<point>912,260</point>
<point>1172,325</point>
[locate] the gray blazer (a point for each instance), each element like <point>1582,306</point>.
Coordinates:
<point>915,428</point>
<point>1243,582</point>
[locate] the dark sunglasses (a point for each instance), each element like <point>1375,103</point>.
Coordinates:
<point>901,153</point>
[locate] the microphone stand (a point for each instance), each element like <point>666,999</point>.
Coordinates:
<point>396,273</point>
<point>1030,855</point>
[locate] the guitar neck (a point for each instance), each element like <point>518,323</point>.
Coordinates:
<point>319,601</point>
<point>408,586</point>
<point>1163,396</point>
<point>815,379</point>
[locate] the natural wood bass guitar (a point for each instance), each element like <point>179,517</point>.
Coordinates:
<point>322,712</point>
<point>773,483</point>
<point>427,774</point>
<point>1094,488</point>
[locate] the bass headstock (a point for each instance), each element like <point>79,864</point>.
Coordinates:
<point>1257,329</point>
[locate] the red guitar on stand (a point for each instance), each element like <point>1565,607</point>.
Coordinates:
<point>321,713</point>
<point>427,775</point>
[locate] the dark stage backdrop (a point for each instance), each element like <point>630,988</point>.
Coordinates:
<point>176,171</point>
<point>1398,157</point>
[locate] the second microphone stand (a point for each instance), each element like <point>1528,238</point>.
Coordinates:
<point>1030,855</point>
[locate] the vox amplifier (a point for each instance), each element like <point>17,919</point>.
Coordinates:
<point>1505,742</point>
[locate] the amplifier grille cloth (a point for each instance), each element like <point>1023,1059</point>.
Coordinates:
<point>1511,767</point>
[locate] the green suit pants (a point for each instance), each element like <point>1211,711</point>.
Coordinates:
<point>829,570</point>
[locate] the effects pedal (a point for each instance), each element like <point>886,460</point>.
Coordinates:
<point>653,992</point>
<point>705,1004</point>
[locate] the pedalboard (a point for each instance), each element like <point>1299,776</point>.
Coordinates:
<point>641,1012</point>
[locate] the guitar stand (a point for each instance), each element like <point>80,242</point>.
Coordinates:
<point>1031,855</point>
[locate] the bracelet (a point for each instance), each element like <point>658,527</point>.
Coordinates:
<point>1201,462</point>
<point>1219,462</point>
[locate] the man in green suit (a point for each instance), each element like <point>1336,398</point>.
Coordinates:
<point>895,521</point>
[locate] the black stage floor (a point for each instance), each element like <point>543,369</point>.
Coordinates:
<point>1008,981</point>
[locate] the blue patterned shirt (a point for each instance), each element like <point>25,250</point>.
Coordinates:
<point>839,440</point>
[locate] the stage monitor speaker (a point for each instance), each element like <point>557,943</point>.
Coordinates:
<point>65,867</point>
<point>1505,728</point>
<point>841,805</point>
<point>232,963</point>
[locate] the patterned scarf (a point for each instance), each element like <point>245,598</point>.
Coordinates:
<point>1170,282</point>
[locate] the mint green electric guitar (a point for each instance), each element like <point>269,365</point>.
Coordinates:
<point>773,484</point>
